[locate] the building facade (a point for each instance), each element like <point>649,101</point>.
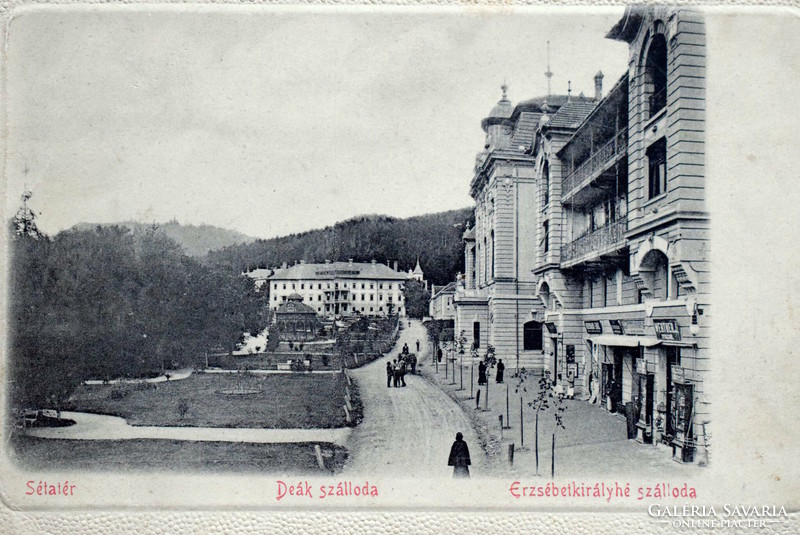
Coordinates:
<point>496,301</point>
<point>591,236</point>
<point>338,289</point>
<point>441,306</point>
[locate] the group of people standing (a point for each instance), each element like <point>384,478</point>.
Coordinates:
<point>482,367</point>
<point>396,369</point>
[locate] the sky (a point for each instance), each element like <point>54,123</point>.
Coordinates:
<point>270,120</point>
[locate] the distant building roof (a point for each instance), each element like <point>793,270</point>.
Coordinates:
<point>345,270</point>
<point>418,269</point>
<point>294,307</point>
<point>447,289</point>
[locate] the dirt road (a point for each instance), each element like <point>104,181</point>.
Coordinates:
<point>406,431</point>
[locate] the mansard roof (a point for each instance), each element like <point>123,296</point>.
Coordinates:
<point>347,270</point>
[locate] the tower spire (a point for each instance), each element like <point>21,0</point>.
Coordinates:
<point>548,74</point>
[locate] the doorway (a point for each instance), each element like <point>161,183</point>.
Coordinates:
<point>645,406</point>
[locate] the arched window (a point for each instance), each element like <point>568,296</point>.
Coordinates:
<point>532,336</point>
<point>655,75</point>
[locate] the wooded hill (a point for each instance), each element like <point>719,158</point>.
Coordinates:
<point>433,238</point>
<point>195,240</point>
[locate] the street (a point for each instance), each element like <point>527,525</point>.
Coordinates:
<point>407,431</point>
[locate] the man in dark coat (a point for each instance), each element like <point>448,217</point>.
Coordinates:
<point>389,374</point>
<point>414,364</point>
<point>481,373</point>
<point>396,370</point>
<point>500,368</point>
<point>403,372</point>
<point>459,457</point>
<point>439,354</point>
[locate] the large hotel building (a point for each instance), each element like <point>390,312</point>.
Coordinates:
<point>335,289</point>
<point>589,255</point>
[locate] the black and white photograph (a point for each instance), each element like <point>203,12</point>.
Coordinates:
<point>282,258</point>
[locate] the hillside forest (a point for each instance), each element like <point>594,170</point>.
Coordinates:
<point>434,239</point>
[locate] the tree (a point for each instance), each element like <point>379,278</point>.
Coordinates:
<point>541,402</point>
<point>416,298</point>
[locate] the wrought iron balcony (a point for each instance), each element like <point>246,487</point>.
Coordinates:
<point>600,241</point>
<point>596,163</point>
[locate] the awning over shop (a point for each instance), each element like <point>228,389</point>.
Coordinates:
<point>620,340</point>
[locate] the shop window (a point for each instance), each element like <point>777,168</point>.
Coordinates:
<point>657,168</point>
<point>476,334</point>
<point>655,75</point>
<point>532,336</point>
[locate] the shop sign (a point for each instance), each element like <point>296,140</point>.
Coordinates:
<point>641,366</point>
<point>570,354</point>
<point>632,326</point>
<point>593,327</point>
<point>616,327</point>
<point>667,329</point>
<point>678,375</point>
<point>551,327</point>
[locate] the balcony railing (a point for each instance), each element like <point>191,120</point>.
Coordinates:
<point>598,240</point>
<point>597,162</point>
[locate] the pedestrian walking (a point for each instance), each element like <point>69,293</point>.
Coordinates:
<point>500,369</point>
<point>389,374</point>
<point>414,364</point>
<point>417,345</point>
<point>439,354</point>
<point>481,373</point>
<point>459,457</point>
<point>403,372</point>
<point>405,349</point>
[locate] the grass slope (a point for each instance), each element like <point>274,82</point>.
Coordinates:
<point>284,401</point>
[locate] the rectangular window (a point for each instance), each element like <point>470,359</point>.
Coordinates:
<point>362,297</point>
<point>657,168</point>
<point>532,336</point>
<point>546,237</point>
<point>591,294</point>
<point>605,292</point>
<point>371,296</point>
<point>284,285</point>
<point>380,286</point>
<point>476,334</point>
<point>302,286</point>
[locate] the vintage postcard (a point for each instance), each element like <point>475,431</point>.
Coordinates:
<point>498,268</point>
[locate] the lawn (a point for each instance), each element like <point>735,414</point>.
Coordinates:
<point>281,401</point>
<point>173,455</point>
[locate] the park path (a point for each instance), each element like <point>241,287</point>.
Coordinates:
<point>103,427</point>
<point>407,431</point>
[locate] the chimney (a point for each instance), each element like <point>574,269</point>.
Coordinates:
<point>350,261</point>
<point>598,85</point>
<point>374,261</point>
<point>283,265</point>
<point>395,265</point>
<point>327,261</point>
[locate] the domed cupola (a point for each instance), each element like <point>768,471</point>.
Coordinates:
<point>500,113</point>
